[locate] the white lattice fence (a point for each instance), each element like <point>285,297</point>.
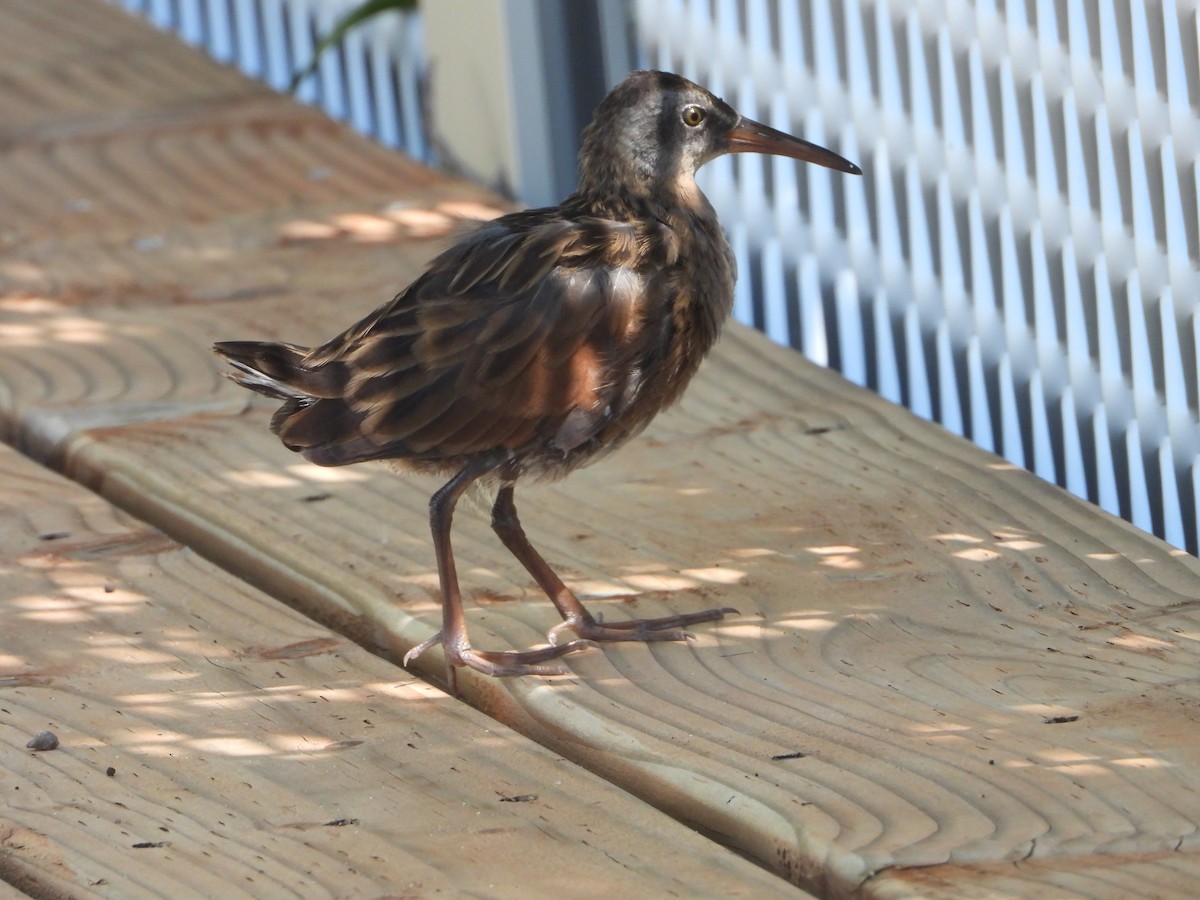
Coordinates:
<point>1020,260</point>
<point>373,81</point>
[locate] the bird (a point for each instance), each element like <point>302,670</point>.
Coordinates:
<point>536,343</point>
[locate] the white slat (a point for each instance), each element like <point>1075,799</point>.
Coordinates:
<point>1027,234</point>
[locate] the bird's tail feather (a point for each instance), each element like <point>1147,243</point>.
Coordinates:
<point>280,370</point>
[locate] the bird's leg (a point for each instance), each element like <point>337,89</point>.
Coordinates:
<point>575,615</point>
<point>453,636</point>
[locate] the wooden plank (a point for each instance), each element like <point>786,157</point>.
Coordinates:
<point>112,132</point>
<point>1164,875</point>
<point>215,743</point>
<point>917,614</point>
<point>72,65</point>
<point>894,710</point>
<point>135,183</point>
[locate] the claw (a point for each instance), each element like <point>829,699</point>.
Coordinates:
<point>421,648</point>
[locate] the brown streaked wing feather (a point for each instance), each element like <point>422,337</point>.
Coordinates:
<point>513,333</point>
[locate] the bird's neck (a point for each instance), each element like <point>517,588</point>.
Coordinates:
<point>678,202</point>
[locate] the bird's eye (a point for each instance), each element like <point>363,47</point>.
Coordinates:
<point>692,116</point>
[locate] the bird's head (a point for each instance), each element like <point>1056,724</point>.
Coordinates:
<point>655,129</point>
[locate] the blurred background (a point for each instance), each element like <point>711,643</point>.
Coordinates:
<point>1018,263</point>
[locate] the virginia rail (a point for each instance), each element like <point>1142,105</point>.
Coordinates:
<point>537,342</point>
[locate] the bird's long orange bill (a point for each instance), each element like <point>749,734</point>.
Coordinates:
<point>748,136</point>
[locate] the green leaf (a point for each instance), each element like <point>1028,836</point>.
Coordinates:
<point>352,18</point>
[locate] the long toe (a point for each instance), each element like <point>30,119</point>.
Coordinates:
<point>523,662</point>
<point>666,628</point>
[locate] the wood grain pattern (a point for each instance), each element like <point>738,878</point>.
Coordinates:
<point>1160,876</point>
<point>947,679</point>
<point>917,615</point>
<point>214,742</point>
<point>69,66</point>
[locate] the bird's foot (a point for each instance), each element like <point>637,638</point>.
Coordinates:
<point>498,663</point>
<point>667,628</point>
<point>516,662</point>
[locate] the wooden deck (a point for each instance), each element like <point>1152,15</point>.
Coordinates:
<point>948,679</point>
